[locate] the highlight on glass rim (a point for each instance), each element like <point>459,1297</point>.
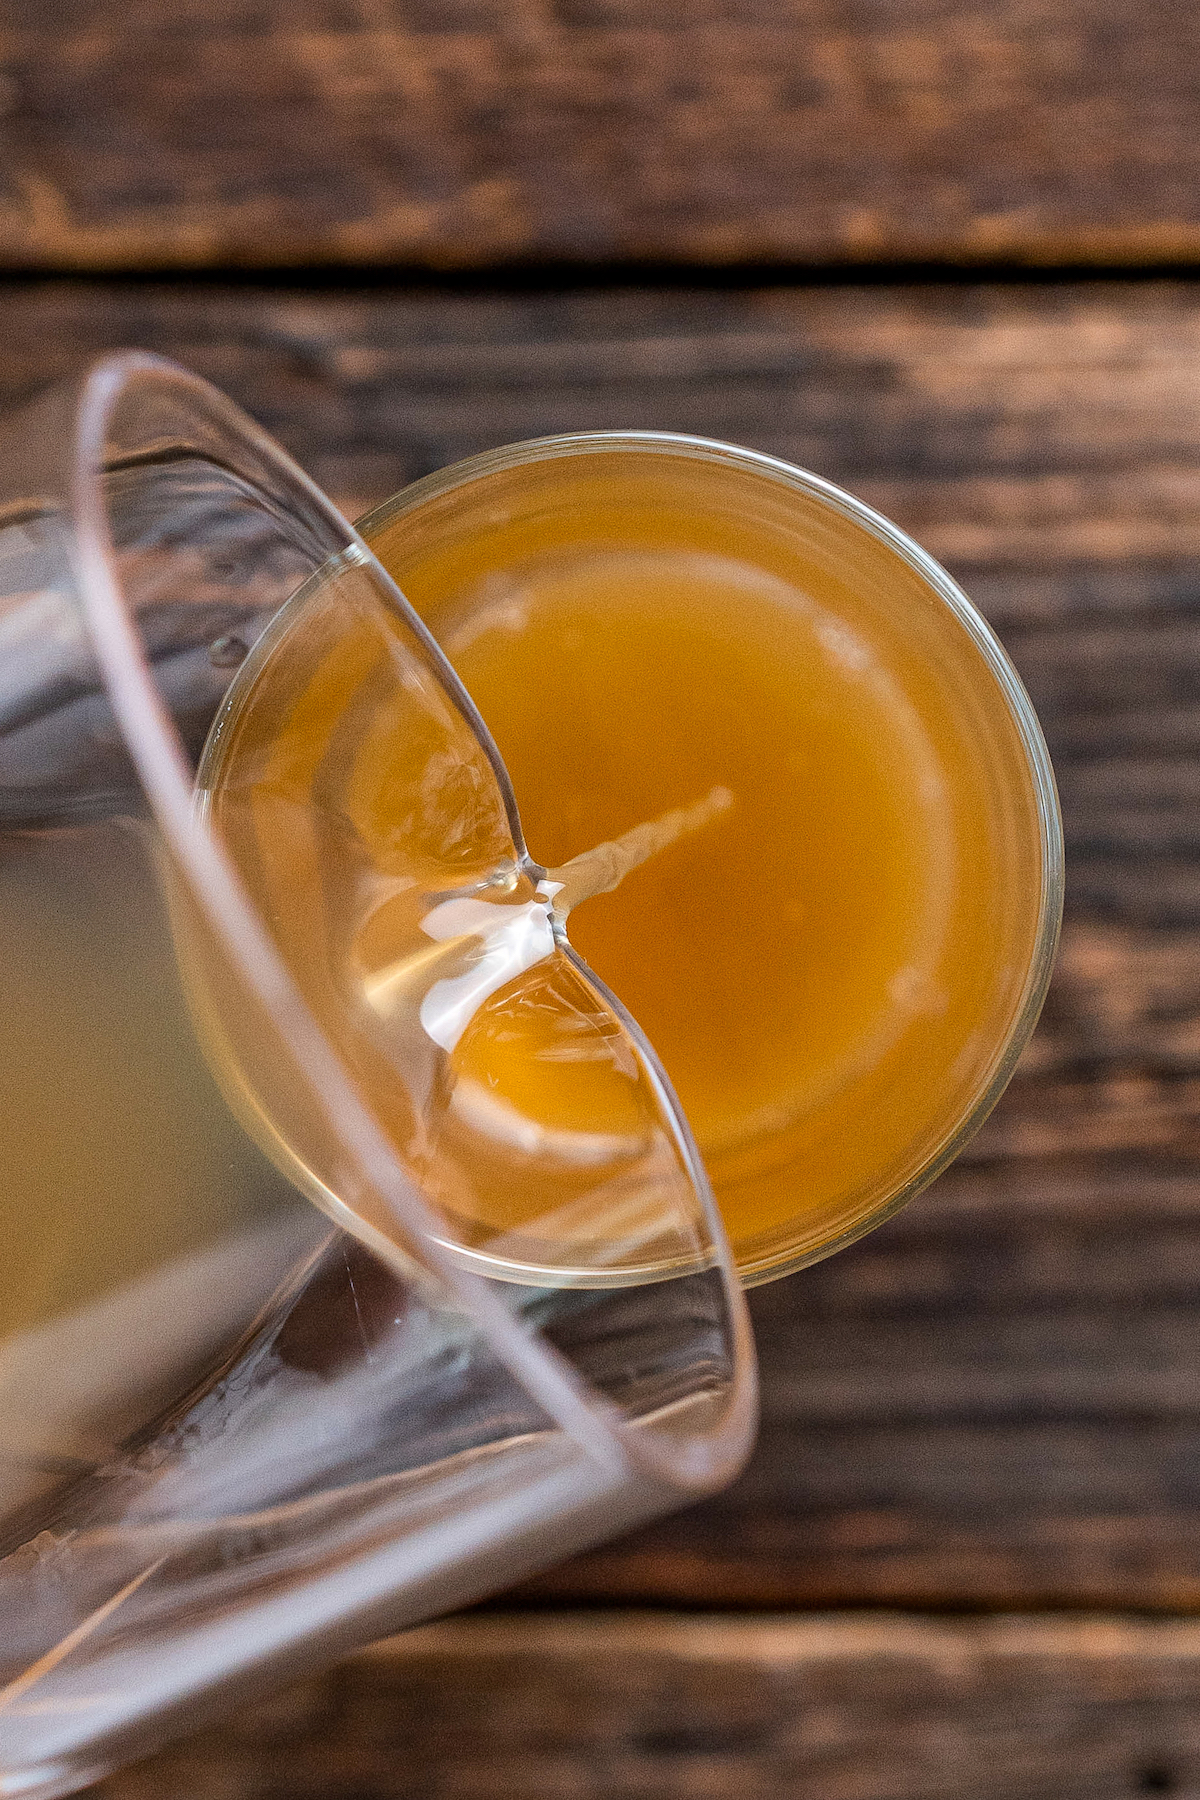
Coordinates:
<point>449,960</point>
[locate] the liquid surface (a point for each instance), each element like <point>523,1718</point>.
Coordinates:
<point>775,954</point>
<point>831,969</point>
<point>829,964</point>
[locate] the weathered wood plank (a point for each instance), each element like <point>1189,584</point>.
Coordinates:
<point>452,132</point>
<point>995,1400</point>
<point>1042,440</point>
<point>667,1708</point>
<point>1045,443</point>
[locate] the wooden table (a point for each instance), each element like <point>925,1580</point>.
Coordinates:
<point>965,1559</point>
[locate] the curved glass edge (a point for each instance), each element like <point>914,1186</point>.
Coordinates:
<point>691,1466</point>
<point>483,1262</point>
<point>1012,688</point>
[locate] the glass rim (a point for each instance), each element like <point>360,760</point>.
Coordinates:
<point>1019,706</point>
<point>690,1466</point>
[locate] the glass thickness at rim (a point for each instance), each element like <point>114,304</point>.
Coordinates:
<point>1008,684</point>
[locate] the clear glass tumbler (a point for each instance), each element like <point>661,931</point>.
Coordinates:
<point>240,1432</point>
<point>906,1040</point>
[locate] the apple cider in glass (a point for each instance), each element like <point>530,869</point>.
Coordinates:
<point>839,939</point>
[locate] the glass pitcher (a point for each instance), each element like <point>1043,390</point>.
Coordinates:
<point>238,1431</point>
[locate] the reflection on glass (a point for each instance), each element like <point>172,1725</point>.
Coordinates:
<point>367,820</point>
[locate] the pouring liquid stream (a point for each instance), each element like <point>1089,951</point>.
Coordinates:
<point>479,946</point>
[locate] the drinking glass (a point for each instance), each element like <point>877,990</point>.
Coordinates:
<point>259,1402</point>
<point>891,1089</point>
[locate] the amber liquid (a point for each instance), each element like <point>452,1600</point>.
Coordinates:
<point>119,1155</point>
<point>828,970</point>
<point>830,964</point>
<point>777,952</point>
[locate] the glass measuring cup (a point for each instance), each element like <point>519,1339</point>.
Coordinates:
<point>238,1433</point>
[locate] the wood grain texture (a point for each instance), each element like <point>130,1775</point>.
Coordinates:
<point>183,133</point>
<point>665,1708</point>
<point>994,1400</point>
